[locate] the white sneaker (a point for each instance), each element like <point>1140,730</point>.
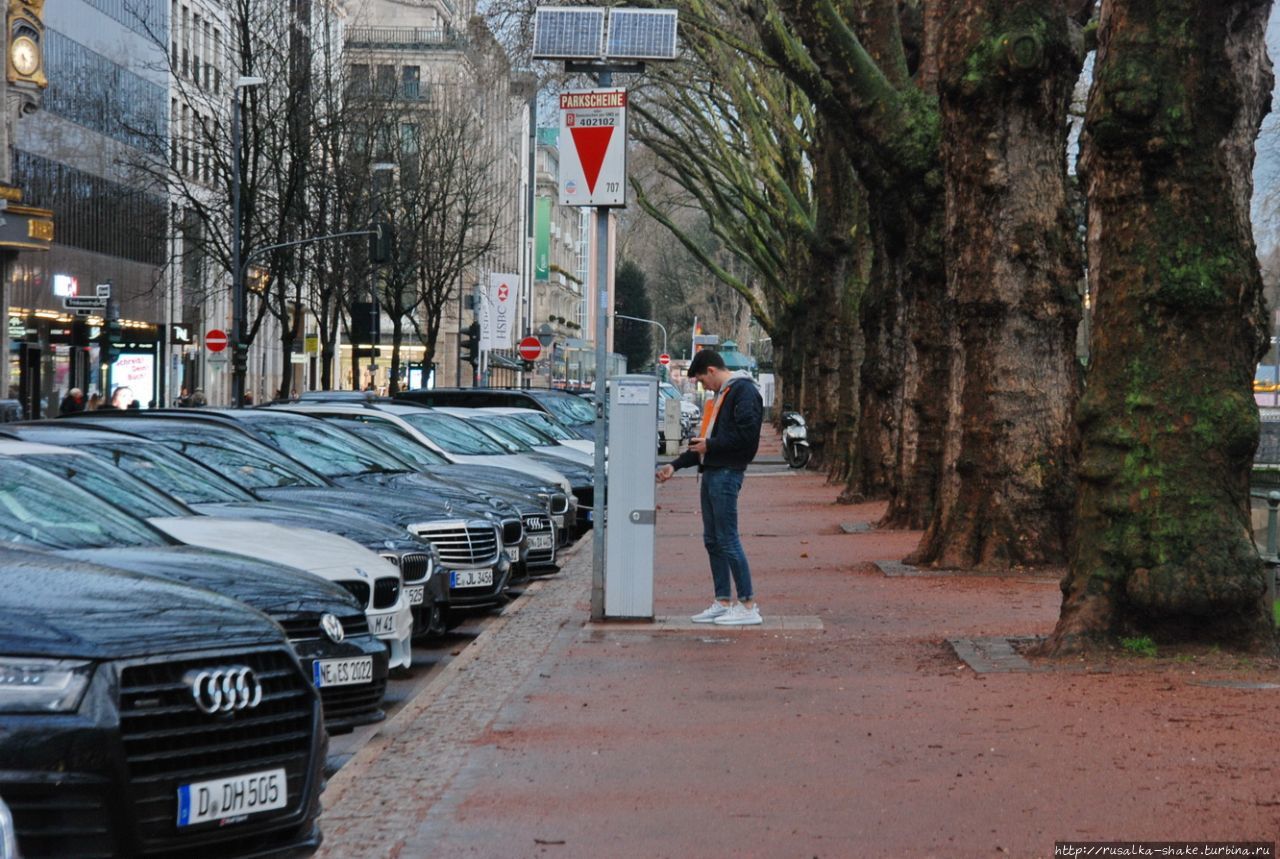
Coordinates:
<point>716,610</point>
<point>739,615</point>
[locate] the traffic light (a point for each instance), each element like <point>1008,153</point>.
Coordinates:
<point>382,243</point>
<point>471,344</point>
<point>239,357</point>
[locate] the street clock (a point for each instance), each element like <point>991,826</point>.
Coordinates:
<point>26,33</point>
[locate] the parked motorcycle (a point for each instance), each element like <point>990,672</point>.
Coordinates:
<point>795,439</point>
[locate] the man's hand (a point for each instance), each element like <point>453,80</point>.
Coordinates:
<point>664,474</point>
<point>698,446</point>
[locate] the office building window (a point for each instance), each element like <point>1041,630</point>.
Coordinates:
<point>410,80</point>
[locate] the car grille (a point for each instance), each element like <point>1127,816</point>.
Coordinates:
<point>414,568</point>
<point>458,544</point>
<point>512,532</point>
<point>557,502</point>
<point>169,742</point>
<point>386,592</point>
<point>56,820</point>
<point>306,627</point>
<point>351,702</point>
<point>359,590</point>
<point>539,525</point>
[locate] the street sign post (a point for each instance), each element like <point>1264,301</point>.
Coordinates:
<point>215,340</point>
<point>530,348</point>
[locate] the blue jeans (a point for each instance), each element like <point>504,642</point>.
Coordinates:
<point>720,487</point>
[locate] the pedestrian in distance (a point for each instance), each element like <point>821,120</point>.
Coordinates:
<point>121,399</point>
<point>72,403</point>
<point>95,402</point>
<point>728,441</point>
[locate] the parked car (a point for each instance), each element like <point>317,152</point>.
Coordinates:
<point>547,424</point>
<point>202,490</point>
<point>324,622</point>
<point>573,412</point>
<point>114,739</point>
<point>531,439</point>
<point>469,546</point>
<point>368,577</point>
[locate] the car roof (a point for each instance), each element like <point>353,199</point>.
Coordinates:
<point>12,447</point>
<point>62,433</point>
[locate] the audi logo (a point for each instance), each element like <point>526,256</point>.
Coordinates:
<point>533,523</point>
<point>224,690</point>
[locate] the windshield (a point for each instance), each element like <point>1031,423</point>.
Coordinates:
<point>508,442</point>
<point>571,410</point>
<point>513,428</point>
<point>389,437</point>
<point>37,509</point>
<point>111,484</point>
<point>670,391</point>
<point>453,434</point>
<point>170,472</point>
<point>544,423</point>
<point>246,462</point>
<point>328,450</point>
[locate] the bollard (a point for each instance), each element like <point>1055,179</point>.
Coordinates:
<point>1272,563</point>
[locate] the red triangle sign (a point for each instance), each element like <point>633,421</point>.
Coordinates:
<point>592,143</point>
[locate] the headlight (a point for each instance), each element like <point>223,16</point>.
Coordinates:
<point>41,685</point>
<point>8,840</point>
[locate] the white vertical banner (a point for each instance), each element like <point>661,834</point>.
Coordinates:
<point>498,312</point>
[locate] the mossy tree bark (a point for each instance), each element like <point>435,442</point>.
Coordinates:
<point>1168,421</point>
<point>1013,265</point>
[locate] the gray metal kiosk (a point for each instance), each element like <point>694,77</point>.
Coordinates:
<point>632,516</point>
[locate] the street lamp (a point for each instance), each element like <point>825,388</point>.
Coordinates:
<point>239,348</point>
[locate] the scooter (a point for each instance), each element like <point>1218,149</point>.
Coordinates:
<point>795,439</point>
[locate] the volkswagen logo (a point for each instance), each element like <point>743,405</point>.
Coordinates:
<point>224,690</point>
<point>333,628</point>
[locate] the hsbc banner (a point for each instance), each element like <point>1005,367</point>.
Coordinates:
<point>593,148</point>
<point>498,313</point>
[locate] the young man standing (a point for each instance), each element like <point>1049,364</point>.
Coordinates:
<point>728,442</point>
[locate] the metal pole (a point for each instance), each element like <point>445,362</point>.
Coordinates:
<point>650,322</point>
<point>602,360</point>
<point>238,309</point>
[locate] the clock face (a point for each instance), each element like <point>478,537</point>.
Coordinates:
<point>25,55</point>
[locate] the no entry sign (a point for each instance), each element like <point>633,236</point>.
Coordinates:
<point>593,148</point>
<point>215,340</point>
<point>530,348</point>
<point>664,359</point>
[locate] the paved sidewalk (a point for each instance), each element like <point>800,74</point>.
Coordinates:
<point>855,733</point>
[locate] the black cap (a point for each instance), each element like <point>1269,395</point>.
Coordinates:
<point>703,361</point>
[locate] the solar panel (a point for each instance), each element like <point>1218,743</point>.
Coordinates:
<point>642,34</point>
<point>568,32</point>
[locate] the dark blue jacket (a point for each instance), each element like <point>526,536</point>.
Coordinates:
<point>735,438</point>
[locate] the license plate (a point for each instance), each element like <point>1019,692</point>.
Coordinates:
<point>559,520</point>
<point>415,593</point>
<point>235,796</point>
<point>540,541</point>
<point>382,624</point>
<point>471,578</point>
<point>342,672</point>
<point>513,553</point>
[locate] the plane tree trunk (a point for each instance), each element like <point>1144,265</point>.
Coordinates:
<point>1013,267</point>
<point>1168,420</point>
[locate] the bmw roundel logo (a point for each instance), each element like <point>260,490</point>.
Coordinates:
<point>332,627</point>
